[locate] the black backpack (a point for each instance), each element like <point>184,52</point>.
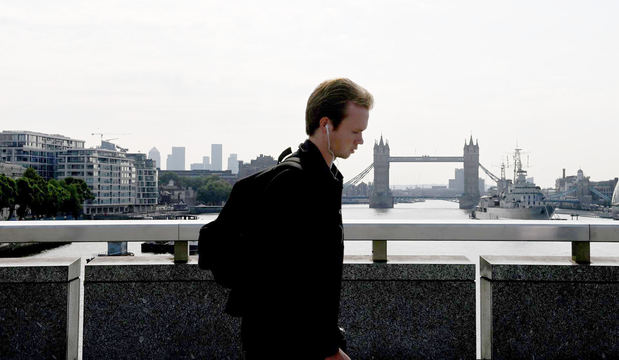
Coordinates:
<point>224,243</point>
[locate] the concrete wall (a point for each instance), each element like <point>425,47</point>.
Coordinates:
<point>151,308</point>
<point>39,308</point>
<point>549,308</point>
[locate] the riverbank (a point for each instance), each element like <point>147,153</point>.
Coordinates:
<point>586,213</point>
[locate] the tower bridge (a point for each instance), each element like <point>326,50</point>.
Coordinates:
<point>382,197</point>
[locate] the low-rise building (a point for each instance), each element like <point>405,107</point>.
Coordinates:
<point>226,175</point>
<point>586,192</point>
<point>11,170</point>
<point>260,163</point>
<point>35,150</point>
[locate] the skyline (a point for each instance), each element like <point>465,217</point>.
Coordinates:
<point>233,164</point>
<point>533,75</point>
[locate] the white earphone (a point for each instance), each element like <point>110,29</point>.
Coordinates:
<point>329,144</point>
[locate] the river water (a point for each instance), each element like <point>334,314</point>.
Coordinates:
<point>428,210</point>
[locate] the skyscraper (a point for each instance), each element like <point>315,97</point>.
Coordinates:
<point>233,163</point>
<point>206,163</point>
<point>176,160</point>
<point>155,155</point>
<point>216,157</point>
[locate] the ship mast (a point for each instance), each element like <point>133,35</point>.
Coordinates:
<point>519,174</point>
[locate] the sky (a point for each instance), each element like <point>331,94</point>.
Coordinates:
<point>539,75</point>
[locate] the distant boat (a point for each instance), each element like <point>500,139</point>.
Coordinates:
<point>519,199</point>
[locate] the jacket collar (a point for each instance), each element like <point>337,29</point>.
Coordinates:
<point>312,159</point>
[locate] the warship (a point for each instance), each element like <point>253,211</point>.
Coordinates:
<point>517,199</point>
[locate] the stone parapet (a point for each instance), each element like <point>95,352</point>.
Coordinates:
<point>151,308</point>
<point>39,308</point>
<point>549,307</point>
<point>411,307</point>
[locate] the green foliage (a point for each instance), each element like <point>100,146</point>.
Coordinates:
<point>31,194</point>
<point>8,193</point>
<point>81,187</point>
<point>214,191</point>
<point>54,198</point>
<point>25,196</point>
<point>211,189</point>
<point>164,179</point>
<point>79,193</point>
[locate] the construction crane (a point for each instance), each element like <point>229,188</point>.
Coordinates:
<point>491,175</point>
<point>108,134</point>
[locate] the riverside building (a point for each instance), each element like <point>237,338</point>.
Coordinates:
<point>35,150</point>
<point>121,182</point>
<point>109,174</point>
<point>146,190</point>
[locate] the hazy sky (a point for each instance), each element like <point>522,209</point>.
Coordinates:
<point>540,74</point>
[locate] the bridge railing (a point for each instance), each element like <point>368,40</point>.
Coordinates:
<point>379,232</point>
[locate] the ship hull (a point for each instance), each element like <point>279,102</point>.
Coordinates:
<point>532,213</point>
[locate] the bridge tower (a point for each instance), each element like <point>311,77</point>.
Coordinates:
<point>470,197</point>
<point>381,196</point>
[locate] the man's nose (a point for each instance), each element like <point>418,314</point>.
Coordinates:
<point>360,139</point>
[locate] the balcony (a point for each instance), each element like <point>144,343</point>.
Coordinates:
<point>393,306</point>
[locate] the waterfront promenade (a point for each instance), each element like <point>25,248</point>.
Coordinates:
<point>393,307</point>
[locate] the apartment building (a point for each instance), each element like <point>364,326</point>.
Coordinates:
<point>35,150</point>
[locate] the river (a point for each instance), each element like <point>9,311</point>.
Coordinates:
<point>428,210</point>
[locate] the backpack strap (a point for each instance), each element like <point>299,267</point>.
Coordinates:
<point>291,161</point>
<point>284,154</point>
<point>285,159</point>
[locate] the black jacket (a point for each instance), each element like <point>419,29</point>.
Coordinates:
<point>294,291</point>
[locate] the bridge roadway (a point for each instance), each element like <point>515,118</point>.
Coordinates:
<point>426,158</point>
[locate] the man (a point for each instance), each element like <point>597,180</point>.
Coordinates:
<point>291,306</point>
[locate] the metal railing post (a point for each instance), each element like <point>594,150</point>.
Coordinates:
<point>379,250</point>
<point>581,252</point>
<point>181,251</point>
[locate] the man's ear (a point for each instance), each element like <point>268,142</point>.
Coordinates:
<point>323,122</point>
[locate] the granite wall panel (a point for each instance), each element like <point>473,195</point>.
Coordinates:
<point>39,306</point>
<point>409,319</point>
<point>155,310</point>
<point>549,308</point>
<point>150,308</point>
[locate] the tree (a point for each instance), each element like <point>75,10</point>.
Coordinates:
<point>55,198</point>
<point>37,192</point>
<point>81,187</point>
<point>215,191</point>
<point>79,193</point>
<point>8,193</point>
<point>164,179</point>
<point>25,196</point>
